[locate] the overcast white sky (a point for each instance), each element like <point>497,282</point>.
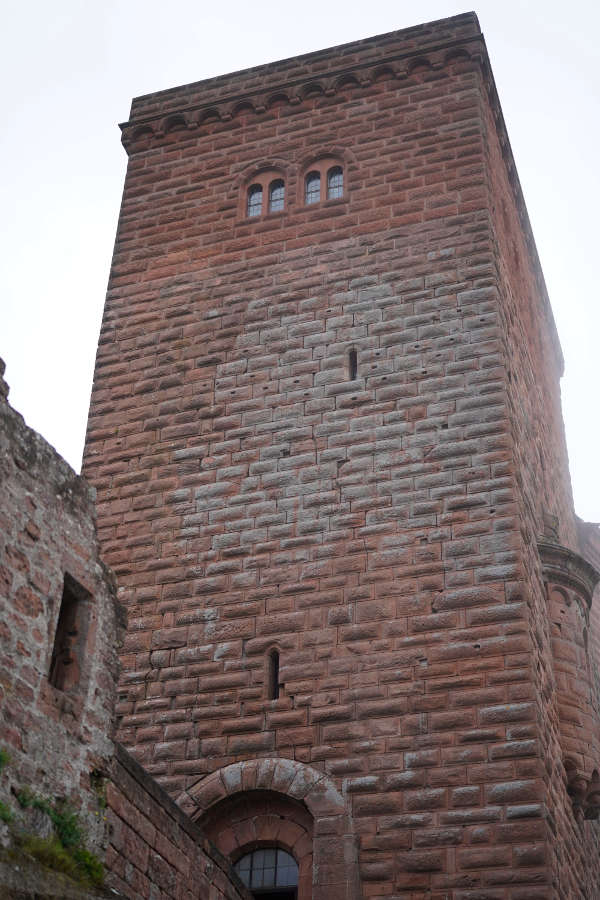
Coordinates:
<point>69,70</point>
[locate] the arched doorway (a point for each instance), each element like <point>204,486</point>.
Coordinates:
<point>270,873</point>
<point>269,839</point>
<point>281,803</point>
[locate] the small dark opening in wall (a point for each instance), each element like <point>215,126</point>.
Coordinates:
<point>69,638</point>
<point>352,365</point>
<point>273,679</point>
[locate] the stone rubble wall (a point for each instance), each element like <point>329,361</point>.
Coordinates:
<point>59,743</point>
<point>55,739</point>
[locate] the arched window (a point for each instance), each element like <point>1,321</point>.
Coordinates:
<point>269,870</point>
<point>273,679</point>
<point>312,192</point>
<point>335,183</point>
<point>276,195</point>
<point>255,200</point>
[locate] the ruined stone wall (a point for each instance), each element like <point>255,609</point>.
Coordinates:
<point>56,724</point>
<point>255,497</point>
<point>55,736</point>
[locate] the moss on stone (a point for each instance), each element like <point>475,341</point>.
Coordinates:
<point>6,813</point>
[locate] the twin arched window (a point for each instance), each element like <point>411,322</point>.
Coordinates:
<point>254,205</point>
<point>334,183</point>
<point>324,173</point>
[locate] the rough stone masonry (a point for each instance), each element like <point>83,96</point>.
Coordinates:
<point>60,628</point>
<point>326,437</point>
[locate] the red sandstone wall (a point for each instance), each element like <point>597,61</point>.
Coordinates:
<point>589,542</point>
<point>155,850</point>
<point>534,367</point>
<point>54,738</point>
<point>534,358</point>
<point>374,531</point>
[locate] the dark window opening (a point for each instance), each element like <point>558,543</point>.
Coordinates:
<point>269,873</point>
<point>275,894</point>
<point>312,192</point>
<point>273,681</point>
<point>335,183</point>
<point>353,365</point>
<point>255,200</point>
<point>69,638</point>
<point>276,195</point>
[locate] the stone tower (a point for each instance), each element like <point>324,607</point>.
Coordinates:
<point>326,436</point>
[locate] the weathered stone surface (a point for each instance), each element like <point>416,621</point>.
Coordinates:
<point>55,737</point>
<point>23,879</point>
<point>58,732</point>
<point>333,431</point>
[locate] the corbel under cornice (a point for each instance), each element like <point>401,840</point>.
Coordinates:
<point>562,566</point>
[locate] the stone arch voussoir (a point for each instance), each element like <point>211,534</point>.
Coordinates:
<point>285,776</point>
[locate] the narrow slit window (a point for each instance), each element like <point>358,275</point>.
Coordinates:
<point>276,195</point>
<point>255,200</point>
<point>335,183</point>
<point>312,193</point>
<point>273,680</point>
<point>69,638</point>
<point>353,365</point>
